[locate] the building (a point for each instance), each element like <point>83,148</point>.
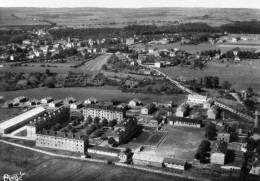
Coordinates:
<point>224,136</point>
<point>140,158</point>
<point>213,112</point>
<point>102,111</point>
<point>124,130</point>
<point>21,120</point>
<point>47,120</point>
<point>256,134</point>
<point>182,110</point>
<point>255,170</point>
<point>56,103</point>
<point>174,163</point>
<point>168,104</point>
<point>69,100</point>
<point>100,150</point>
<point>218,152</point>
<point>178,121</point>
<point>46,100</point>
<point>32,102</point>
<point>91,101</point>
<point>75,142</point>
<point>76,105</point>
<point>209,102</point>
<point>130,41</point>
<point>20,99</point>
<point>197,99</point>
<point>148,109</point>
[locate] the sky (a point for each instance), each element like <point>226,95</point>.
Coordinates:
<point>132,3</point>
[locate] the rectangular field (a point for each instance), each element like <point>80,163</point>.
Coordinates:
<point>96,63</point>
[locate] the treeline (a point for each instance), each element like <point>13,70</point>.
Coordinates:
<point>242,27</point>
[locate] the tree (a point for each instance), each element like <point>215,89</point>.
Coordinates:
<point>111,141</point>
<point>250,90</point>
<point>202,150</point>
<point>211,131</point>
<point>96,133</point>
<point>104,67</point>
<point>96,120</point>
<point>215,82</point>
<point>249,104</point>
<point>112,123</point>
<point>226,85</point>
<point>89,119</point>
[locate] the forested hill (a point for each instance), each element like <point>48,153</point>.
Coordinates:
<point>128,31</point>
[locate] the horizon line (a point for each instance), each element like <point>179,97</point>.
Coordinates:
<point>131,7</point>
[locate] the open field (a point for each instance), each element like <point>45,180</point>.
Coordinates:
<point>243,75</point>
<point>198,48</point>
<point>39,167</point>
<point>96,63</point>
<point>180,142</point>
<point>105,93</point>
<point>9,113</point>
<point>101,17</point>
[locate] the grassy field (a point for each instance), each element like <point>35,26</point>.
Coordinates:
<point>101,93</point>
<point>243,75</point>
<point>96,63</point>
<point>9,113</point>
<point>41,167</point>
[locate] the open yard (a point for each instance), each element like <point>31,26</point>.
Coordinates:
<point>42,167</point>
<point>9,113</point>
<point>243,75</point>
<point>96,63</point>
<point>105,93</point>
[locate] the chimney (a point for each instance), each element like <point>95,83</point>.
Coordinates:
<point>257,119</point>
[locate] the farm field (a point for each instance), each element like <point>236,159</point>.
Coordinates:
<point>198,48</point>
<point>39,167</point>
<point>96,63</point>
<point>102,17</point>
<point>105,93</point>
<point>243,75</point>
<point>60,70</point>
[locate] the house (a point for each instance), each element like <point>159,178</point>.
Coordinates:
<point>255,170</point>
<point>163,41</point>
<point>135,102</point>
<point>234,39</point>
<point>20,99</point>
<point>26,42</point>
<point>223,136</point>
<point>182,110</point>
<point>197,99</point>
<point>32,102</point>
<point>148,109</point>
<point>183,79</point>
<point>237,58</point>
<point>91,101</point>
<point>55,103</point>
<point>244,94</point>
<point>130,41</point>
<point>140,158</point>
<point>213,112</point>
<point>208,103</point>
<point>178,121</point>
<point>158,64</point>
<point>100,150</point>
<point>167,104</point>
<point>175,163</point>
<point>46,100</point>
<point>76,105</point>
<point>69,100</point>
<point>218,152</point>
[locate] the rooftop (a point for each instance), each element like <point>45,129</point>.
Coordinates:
<point>105,149</point>
<point>187,120</point>
<point>174,161</point>
<point>22,117</point>
<point>220,147</point>
<point>104,107</point>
